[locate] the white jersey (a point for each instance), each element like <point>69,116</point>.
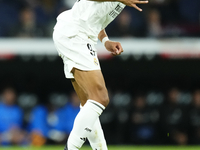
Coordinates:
<point>88,17</point>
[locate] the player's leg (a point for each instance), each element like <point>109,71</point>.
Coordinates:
<point>79,92</point>
<point>93,85</point>
<point>96,137</point>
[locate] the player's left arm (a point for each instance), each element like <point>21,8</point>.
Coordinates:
<point>114,47</point>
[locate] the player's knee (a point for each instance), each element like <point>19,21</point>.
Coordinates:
<point>103,96</point>
<point>99,94</point>
<point>106,101</point>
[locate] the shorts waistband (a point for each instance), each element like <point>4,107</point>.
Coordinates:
<point>85,37</point>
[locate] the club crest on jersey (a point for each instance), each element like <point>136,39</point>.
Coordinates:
<point>96,62</point>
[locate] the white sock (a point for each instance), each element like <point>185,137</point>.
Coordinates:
<point>83,124</point>
<point>96,137</point>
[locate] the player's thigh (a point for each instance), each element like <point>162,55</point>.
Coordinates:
<point>93,85</point>
<point>81,94</point>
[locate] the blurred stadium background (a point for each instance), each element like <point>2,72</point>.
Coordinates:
<point>154,85</point>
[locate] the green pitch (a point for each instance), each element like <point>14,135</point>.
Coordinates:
<point>110,148</point>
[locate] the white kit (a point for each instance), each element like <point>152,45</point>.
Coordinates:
<point>76,33</point>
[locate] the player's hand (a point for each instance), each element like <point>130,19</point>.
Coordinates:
<point>114,47</point>
<point>133,3</point>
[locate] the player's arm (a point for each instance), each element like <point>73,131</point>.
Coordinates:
<point>114,47</point>
<point>131,3</point>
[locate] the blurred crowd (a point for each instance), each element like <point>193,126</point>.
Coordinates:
<point>160,18</point>
<point>169,117</point>
<point>24,120</point>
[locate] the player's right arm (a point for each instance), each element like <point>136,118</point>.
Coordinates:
<point>131,3</point>
<point>114,47</point>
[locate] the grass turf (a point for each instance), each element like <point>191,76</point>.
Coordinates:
<point>110,148</point>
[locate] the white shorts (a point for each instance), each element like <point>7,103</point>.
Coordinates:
<point>77,52</point>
